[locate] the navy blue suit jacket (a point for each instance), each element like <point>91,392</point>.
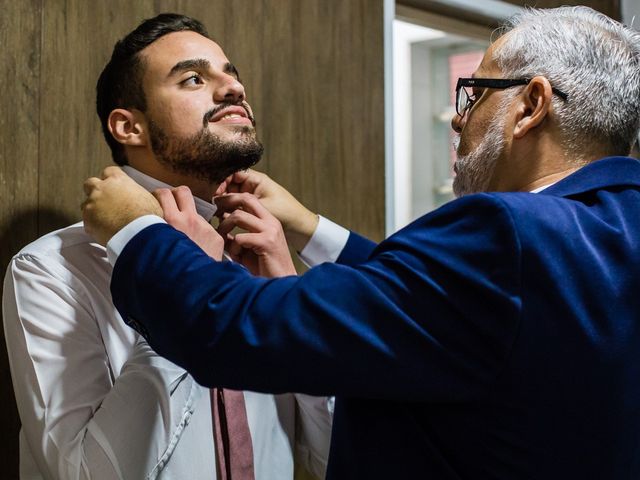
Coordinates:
<point>497,337</point>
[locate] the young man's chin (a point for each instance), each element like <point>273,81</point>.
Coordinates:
<point>220,127</point>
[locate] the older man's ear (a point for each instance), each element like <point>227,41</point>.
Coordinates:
<point>533,108</point>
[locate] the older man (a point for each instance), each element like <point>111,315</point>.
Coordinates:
<point>95,401</point>
<point>497,337</point>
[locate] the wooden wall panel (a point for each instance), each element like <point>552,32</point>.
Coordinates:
<point>313,70</point>
<point>20,81</point>
<point>78,37</point>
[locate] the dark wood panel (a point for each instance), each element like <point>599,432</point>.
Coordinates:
<point>20,80</point>
<point>78,37</point>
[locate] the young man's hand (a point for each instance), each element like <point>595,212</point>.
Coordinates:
<point>262,248</point>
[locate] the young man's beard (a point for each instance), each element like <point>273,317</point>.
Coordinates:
<point>204,155</point>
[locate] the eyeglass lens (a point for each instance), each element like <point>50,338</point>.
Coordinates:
<point>462,101</point>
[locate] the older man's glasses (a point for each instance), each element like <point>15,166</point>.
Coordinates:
<point>465,101</point>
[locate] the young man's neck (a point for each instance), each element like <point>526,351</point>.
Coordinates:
<point>200,188</point>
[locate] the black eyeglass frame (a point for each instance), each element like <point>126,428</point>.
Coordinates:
<point>497,83</point>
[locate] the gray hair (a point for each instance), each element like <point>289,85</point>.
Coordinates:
<point>590,57</point>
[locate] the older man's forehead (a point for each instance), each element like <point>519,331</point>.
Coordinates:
<point>488,66</point>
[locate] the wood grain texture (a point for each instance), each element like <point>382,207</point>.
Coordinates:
<point>19,126</point>
<point>78,37</point>
<point>19,106</point>
<point>313,70</point>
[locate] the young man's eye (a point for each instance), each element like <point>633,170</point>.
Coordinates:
<point>194,79</point>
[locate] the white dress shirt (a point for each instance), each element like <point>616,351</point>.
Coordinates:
<point>96,402</point>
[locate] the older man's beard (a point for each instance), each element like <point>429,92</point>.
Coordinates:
<point>474,170</point>
<point>204,155</point>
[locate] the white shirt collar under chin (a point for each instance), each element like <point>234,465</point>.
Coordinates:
<point>204,208</point>
<point>539,189</point>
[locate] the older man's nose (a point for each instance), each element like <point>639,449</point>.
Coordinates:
<point>457,123</point>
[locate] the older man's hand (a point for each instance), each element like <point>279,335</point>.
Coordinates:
<point>298,222</point>
<point>113,201</point>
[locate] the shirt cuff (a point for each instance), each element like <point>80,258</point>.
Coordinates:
<point>325,244</point>
<point>120,239</point>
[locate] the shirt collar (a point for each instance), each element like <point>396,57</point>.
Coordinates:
<point>205,209</point>
<point>539,189</point>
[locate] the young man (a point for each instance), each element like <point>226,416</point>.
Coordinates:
<point>95,401</point>
<point>496,337</point>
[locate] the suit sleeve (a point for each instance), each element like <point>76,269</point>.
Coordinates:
<point>432,314</point>
<point>356,251</point>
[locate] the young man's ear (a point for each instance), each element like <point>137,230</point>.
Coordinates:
<point>128,127</point>
<point>534,106</point>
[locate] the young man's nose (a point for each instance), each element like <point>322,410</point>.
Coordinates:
<point>230,90</point>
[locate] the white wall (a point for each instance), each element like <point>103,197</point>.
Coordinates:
<point>631,9</point>
<point>404,35</point>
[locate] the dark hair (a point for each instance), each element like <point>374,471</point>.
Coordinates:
<point>120,83</point>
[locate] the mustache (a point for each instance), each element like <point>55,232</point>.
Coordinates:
<point>211,113</point>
